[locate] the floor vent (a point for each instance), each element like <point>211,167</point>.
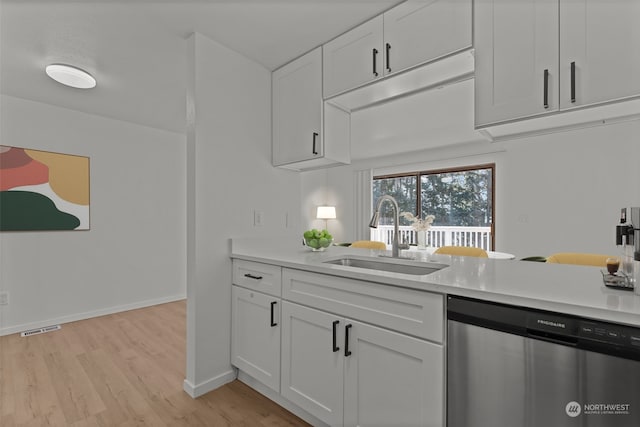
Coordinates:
<point>40,330</point>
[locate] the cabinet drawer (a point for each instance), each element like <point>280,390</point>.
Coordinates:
<point>409,311</point>
<point>265,278</point>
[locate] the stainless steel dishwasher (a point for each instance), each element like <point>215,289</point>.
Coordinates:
<point>511,366</point>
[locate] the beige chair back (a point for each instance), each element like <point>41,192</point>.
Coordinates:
<point>577,258</point>
<point>462,251</point>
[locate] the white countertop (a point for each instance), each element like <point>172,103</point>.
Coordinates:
<point>576,290</point>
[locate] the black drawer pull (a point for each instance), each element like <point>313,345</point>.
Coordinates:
<point>545,95</point>
<point>573,82</point>
<point>347,352</point>
<point>251,276</point>
<point>335,338</point>
<point>273,322</point>
<point>388,46</point>
<point>375,54</point>
<point>313,148</point>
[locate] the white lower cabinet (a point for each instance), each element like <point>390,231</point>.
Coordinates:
<point>340,351</point>
<point>391,379</point>
<point>349,373</point>
<point>312,371</point>
<point>255,335</point>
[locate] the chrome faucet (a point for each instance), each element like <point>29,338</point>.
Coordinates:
<point>396,219</point>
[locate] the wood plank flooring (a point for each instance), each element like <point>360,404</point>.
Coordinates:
<point>124,369</point>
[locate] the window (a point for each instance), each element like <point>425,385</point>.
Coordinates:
<point>462,201</point>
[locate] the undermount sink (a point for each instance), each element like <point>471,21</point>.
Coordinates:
<point>394,265</point>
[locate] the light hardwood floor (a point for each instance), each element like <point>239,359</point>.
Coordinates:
<point>124,369</point>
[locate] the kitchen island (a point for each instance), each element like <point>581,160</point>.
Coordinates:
<point>341,345</point>
<point>576,290</point>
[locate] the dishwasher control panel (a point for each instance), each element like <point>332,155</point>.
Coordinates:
<point>589,334</point>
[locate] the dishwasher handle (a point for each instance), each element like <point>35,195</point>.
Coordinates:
<point>568,340</point>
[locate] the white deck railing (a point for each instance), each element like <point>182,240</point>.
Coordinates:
<point>479,237</point>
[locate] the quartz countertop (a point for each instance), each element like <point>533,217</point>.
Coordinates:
<point>570,289</point>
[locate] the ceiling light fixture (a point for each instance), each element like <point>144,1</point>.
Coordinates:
<point>71,76</point>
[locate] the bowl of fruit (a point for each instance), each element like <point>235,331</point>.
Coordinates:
<point>317,240</point>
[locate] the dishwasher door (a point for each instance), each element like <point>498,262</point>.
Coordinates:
<point>498,379</point>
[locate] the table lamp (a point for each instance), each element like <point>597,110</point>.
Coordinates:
<point>326,213</point>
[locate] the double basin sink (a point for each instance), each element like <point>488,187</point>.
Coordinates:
<point>393,265</point>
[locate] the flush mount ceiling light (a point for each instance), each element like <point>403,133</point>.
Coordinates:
<point>71,76</point>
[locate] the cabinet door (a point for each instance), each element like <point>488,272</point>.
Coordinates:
<point>312,371</point>
<point>354,58</point>
<point>419,31</point>
<point>516,59</point>
<point>392,379</point>
<point>297,109</point>
<point>602,39</point>
<point>255,335</point>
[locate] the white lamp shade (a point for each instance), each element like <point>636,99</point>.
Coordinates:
<point>326,212</point>
<point>70,76</point>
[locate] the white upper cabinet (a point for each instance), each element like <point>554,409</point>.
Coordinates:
<point>542,56</point>
<point>307,133</point>
<point>516,59</point>
<point>297,109</point>
<point>354,58</point>
<point>602,40</point>
<point>410,34</point>
<point>420,31</point>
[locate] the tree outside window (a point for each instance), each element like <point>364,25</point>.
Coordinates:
<point>403,189</point>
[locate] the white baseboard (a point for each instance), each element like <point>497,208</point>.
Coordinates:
<point>209,385</point>
<point>88,315</point>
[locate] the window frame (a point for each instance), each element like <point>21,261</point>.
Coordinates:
<point>455,169</point>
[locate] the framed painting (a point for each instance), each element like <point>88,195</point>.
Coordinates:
<point>41,190</point>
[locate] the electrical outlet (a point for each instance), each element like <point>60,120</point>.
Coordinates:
<point>4,298</point>
<point>257,218</point>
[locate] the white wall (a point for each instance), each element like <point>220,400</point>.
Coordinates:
<point>134,254</point>
<point>229,177</point>
<point>564,192</point>
<point>559,192</point>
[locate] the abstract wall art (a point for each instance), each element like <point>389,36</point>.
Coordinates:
<point>41,190</point>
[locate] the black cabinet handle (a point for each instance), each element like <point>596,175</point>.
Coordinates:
<point>273,322</point>
<point>313,148</point>
<point>375,54</point>
<point>347,352</point>
<point>573,82</point>
<point>388,47</point>
<point>251,276</point>
<point>335,338</point>
<point>545,95</point>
